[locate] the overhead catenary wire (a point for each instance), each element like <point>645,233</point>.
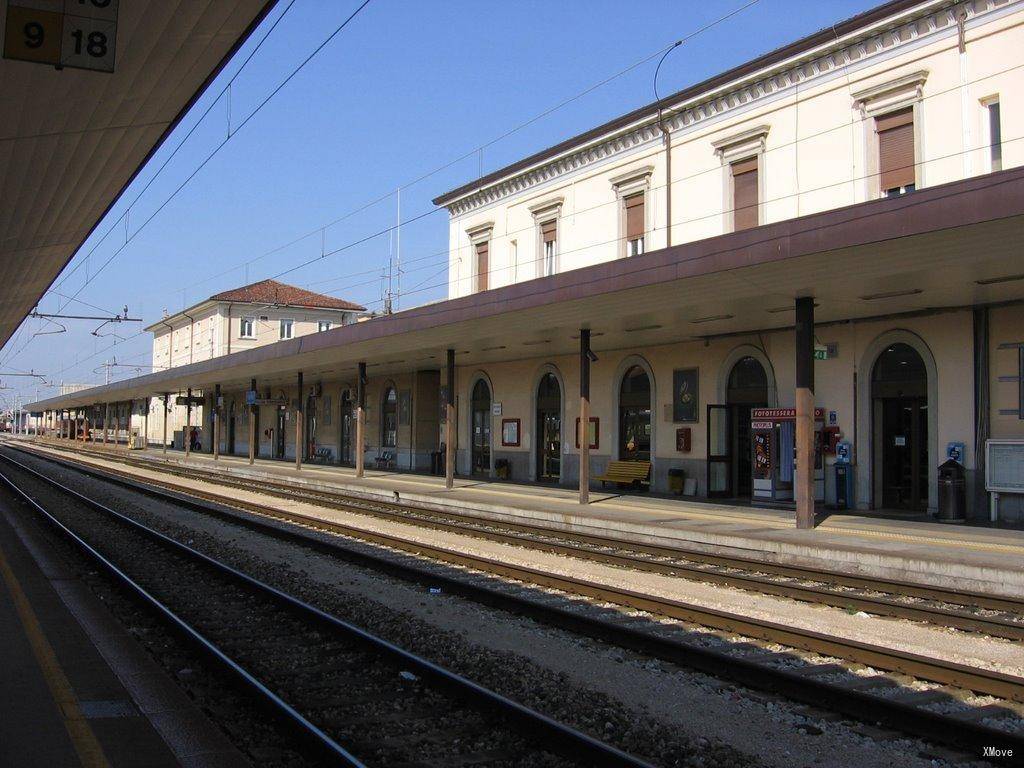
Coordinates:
<point>220,145</point>
<point>471,152</point>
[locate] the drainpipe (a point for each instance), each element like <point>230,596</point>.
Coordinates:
<point>191,335</point>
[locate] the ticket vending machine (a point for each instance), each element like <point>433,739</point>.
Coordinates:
<point>773,443</point>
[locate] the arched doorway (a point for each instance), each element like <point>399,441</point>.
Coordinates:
<point>899,404</point>
<point>389,418</point>
<point>549,429</point>
<point>729,450</point>
<point>635,415</point>
<point>480,429</point>
<point>345,425</point>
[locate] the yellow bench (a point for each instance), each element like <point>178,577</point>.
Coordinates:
<point>626,473</point>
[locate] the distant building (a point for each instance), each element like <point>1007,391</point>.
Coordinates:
<point>235,320</point>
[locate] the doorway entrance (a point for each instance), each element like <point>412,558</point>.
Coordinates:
<point>480,425</point>
<point>346,426</point>
<point>899,395</point>
<point>549,429</point>
<point>231,430</point>
<point>730,469</point>
<point>279,433</point>
<point>635,416</point>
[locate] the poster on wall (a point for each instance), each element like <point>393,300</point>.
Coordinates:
<point>685,394</point>
<point>510,432</point>
<point>595,432</point>
<point>762,455</point>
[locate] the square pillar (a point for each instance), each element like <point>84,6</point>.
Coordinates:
<point>106,421</point>
<point>360,419</point>
<point>450,426</point>
<point>187,436</point>
<point>299,414</point>
<point>167,396</point>
<point>216,422</point>
<point>252,423</point>
<point>584,430</point>
<point>803,491</point>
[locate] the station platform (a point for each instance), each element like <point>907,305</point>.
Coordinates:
<point>75,687</point>
<point>955,556</point>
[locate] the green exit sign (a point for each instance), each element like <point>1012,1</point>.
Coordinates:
<point>820,353</point>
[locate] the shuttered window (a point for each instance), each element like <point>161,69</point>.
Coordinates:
<point>482,265</point>
<point>549,238</point>
<point>744,194</point>
<point>635,224</point>
<point>896,151</point>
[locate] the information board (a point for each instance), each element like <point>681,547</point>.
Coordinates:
<point>81,34</point>
<point>1004,466</point>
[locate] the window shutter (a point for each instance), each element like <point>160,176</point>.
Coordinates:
<point>634,216</point>
<point>744,194</point>
<point>482,267</point>
<point>549,231</point>
<point>896,148</point>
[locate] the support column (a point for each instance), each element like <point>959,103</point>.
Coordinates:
<point>252,424</point>
<point>145,422</point>
<point>106,421</point>
<point>450,424</point>
<point>360,418</point>
<point>804,480</point>
<point>216,422</point>
<point>299,419</point>
<point>584,430</point>
<point>187,437</point>
<point>167,396</point>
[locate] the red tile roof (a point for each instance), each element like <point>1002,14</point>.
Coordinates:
<point>273,292</point>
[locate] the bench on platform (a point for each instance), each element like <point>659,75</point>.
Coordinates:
<point>631,473</point>
<point>386,460</point>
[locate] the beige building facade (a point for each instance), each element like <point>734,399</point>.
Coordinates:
<point>233,321</point>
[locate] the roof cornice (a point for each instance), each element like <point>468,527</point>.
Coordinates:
<point>870,34</point>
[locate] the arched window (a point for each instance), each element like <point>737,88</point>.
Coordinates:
<point>389,418</point>
<point>480,424</point>
<point>748,382</point>
<point>549,428</point>
<point>635,415</point>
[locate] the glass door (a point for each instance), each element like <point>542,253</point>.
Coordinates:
<point>720,458</point>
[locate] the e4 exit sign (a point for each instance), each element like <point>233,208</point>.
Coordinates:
<point>63,33</point>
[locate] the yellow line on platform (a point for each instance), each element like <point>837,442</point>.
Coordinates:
<point>90,753</point>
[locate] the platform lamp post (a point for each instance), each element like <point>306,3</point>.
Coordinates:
<point>167,396</point>
<point>299,418</point>
<point>804,481</point>
<point>187,435</point>
<point>583,436</point>
<point>253,410</point>
<point>667,137</point>
<point>216,422</point>
<point>360,418</point>
<point>450,425</point>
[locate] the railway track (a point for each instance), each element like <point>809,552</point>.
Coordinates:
<point>992,615</point>
<point>939,712</point>
<point>354,698</point>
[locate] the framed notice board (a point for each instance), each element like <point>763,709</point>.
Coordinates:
<point>685,394</point>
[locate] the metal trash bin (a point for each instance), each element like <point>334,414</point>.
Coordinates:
<point>676,480</point>
<point>844,485</point>
<point>952,492</point>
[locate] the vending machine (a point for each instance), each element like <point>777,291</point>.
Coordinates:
<point>773,464</point>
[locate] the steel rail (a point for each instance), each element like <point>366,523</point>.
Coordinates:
<point>993,626</point>
<point>857,704</point>
<point>558,736</point>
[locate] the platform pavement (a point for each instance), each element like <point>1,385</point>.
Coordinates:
<point>75,688</point>
<point>952,556</point>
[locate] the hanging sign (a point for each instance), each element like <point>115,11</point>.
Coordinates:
<point>81,34</point>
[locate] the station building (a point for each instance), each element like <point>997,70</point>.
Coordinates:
<point>813,257</point>
<point>231,321</point>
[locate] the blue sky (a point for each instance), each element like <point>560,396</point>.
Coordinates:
<point>403,90</point>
